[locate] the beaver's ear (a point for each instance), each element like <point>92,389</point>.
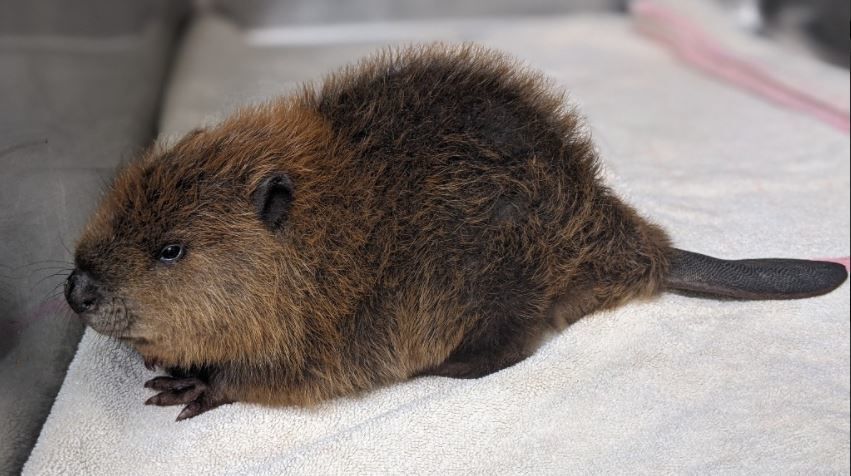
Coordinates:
<point>272,200</point>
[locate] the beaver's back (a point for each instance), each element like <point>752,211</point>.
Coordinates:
<point>462,141</point>
<point>444,103</point>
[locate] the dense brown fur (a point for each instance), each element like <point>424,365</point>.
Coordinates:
<point>446,210</point>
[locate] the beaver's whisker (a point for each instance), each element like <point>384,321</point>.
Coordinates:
<point>53,275</point>
<point>41,266</point>
<point>62,242</point>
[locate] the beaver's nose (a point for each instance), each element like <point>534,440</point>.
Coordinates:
<point>82,291</point>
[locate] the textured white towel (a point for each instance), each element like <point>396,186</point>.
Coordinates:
<point>673,385</point>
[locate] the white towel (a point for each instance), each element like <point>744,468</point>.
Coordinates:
<point>672,385</point>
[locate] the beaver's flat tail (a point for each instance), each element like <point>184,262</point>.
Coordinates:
<point>752,279</point>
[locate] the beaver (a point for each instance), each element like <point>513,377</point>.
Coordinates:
<point>432,210</point>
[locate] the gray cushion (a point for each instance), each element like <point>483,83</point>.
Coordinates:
<point>78,93</point>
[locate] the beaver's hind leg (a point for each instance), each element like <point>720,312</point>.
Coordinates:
<point>505,342</point>
<point>495,345</point>
<point>476,364</point>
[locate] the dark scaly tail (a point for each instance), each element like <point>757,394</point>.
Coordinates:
<point>754,279</point>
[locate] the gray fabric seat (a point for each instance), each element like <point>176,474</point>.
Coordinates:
<point>79,91</point>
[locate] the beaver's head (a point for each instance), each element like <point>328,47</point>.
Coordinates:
<point>189,256</point>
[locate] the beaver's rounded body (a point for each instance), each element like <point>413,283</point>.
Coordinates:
<point>427,212</point>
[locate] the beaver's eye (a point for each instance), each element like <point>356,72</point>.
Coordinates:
<point>171,253</point>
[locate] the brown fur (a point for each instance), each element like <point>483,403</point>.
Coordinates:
<point>446,210</point>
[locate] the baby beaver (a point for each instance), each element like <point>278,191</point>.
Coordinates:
<point>431,211</point>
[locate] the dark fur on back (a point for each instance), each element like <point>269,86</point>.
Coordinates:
<point>446,211</point>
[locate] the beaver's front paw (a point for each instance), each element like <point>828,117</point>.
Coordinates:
<point>197,395</point>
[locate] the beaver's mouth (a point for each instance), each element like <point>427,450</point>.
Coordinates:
<point>97,305</point>
<point>111,317</point>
